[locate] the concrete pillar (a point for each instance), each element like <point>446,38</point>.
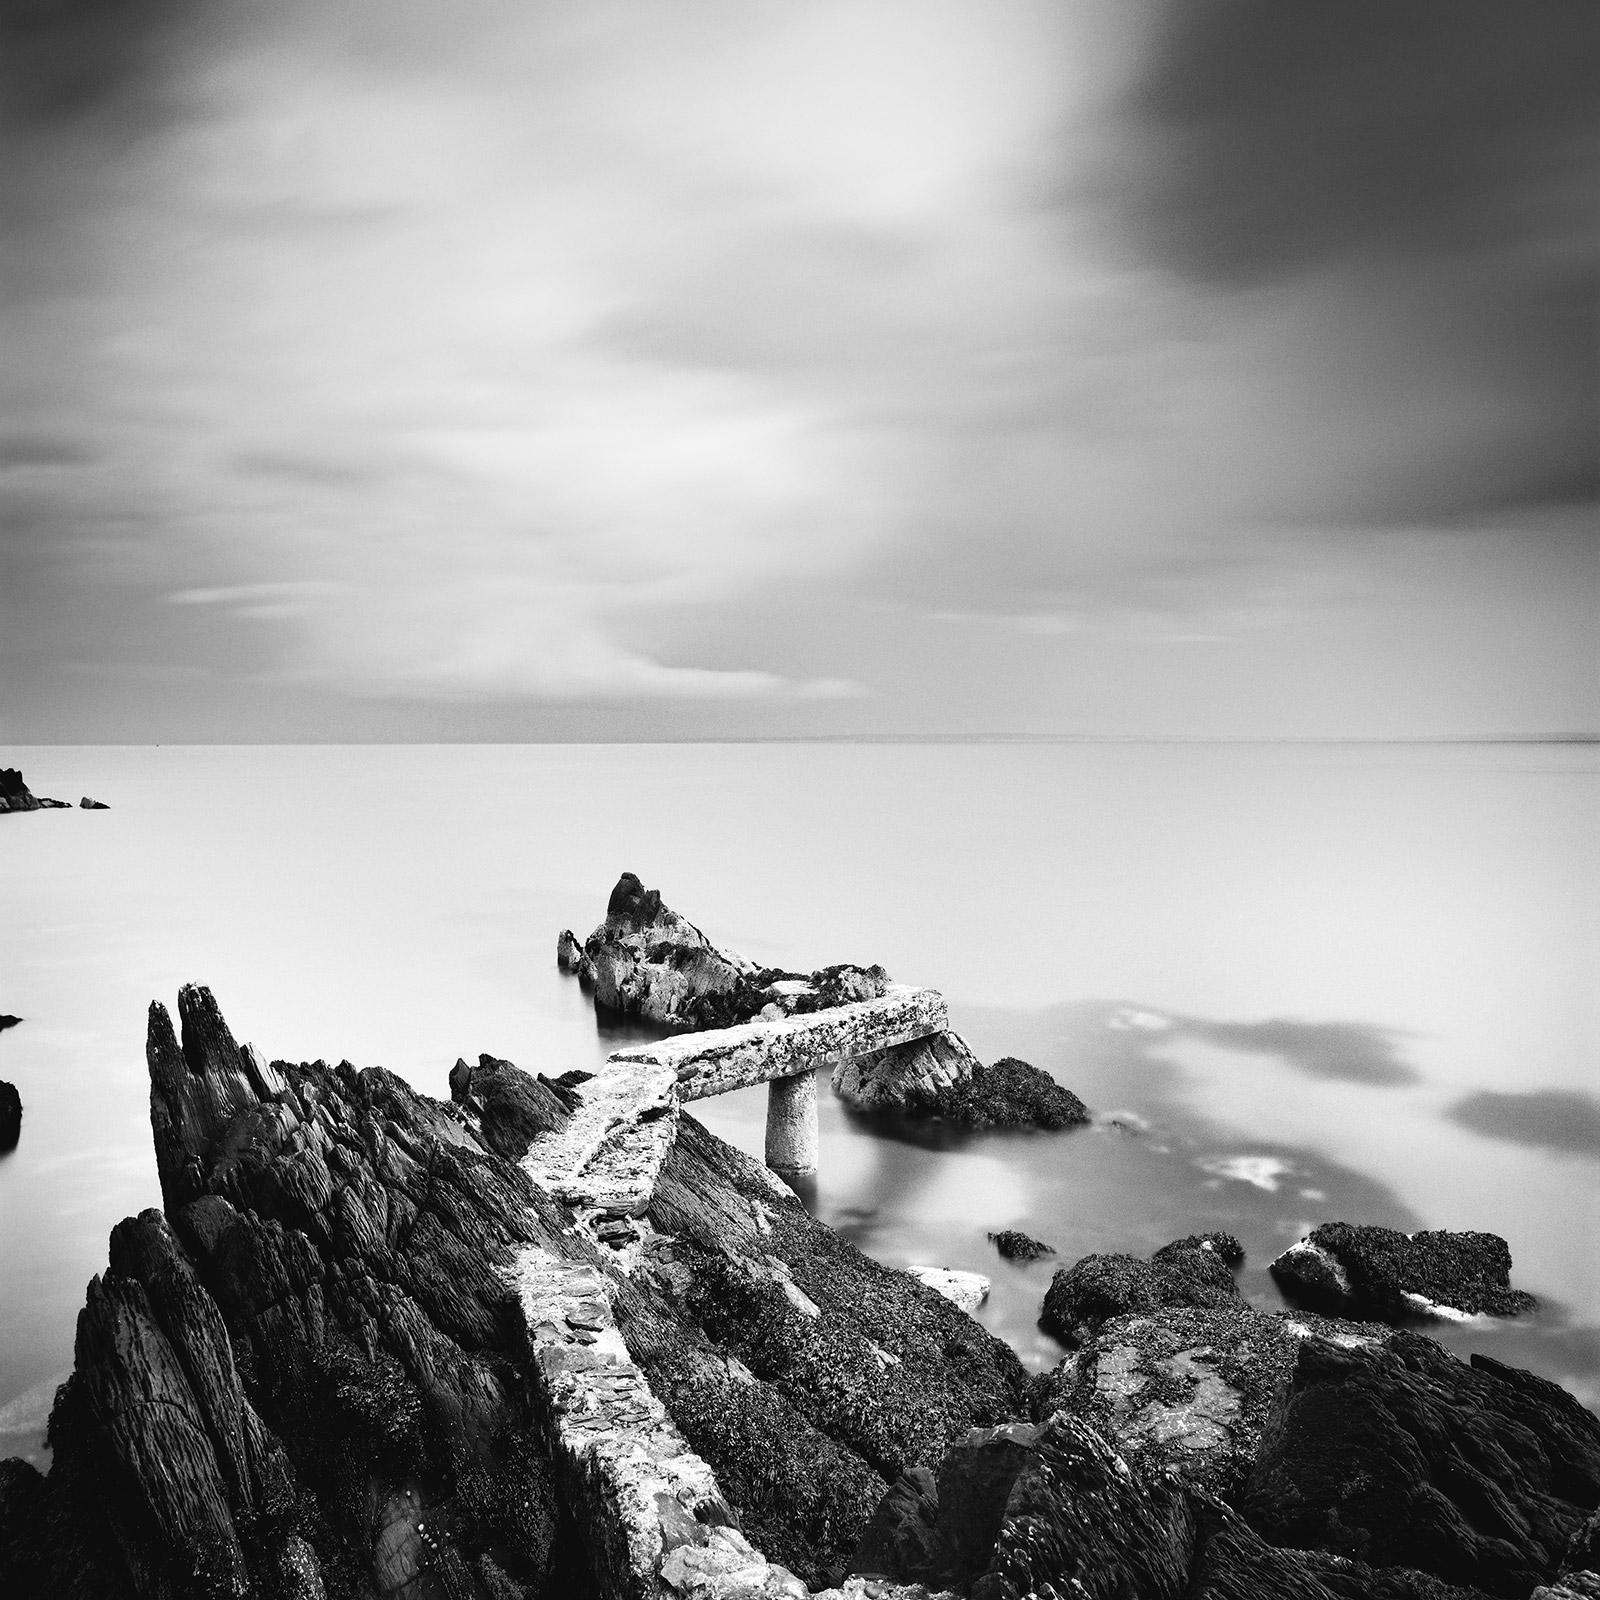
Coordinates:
<point>792,1126</point>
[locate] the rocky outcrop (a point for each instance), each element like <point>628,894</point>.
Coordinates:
<point>16,796</point>
<point>329,1360</point>
<point>10,1115</point>
<point>1015,1245</point>
<point>940,1077</point>
<point>646,960</point>
<point>1480,1474</point>
<point>1098,1287</point>
<point>1380,1274</point>
<point>87,804</point>
<point>8,1021</point>
<point>1187,1391</point>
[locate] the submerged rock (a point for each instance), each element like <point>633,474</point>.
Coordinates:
<point>1381,1274</point>
<point>940,1077</point>
<point>1098,1287</point>
<point>1401,1455</point>
<point>10,1115</point>
<point>1015,1245</point>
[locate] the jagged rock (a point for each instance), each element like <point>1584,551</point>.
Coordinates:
<point>1236,1563</point>
<point>1401,1455</point>
<point>940,1077</point>
<point>8,1021</point>
<point>650,962</point>
<point>1187,1391</point>
<point>321,1374</point>
<point>1098,1287</point>
<point>570,957</point>
<point>10,1115</point>
<point>1380,1274</point>
<point>1015,1245</point>
<point>16,796</point>
<point>93,805</point>
<point>965,1289</point>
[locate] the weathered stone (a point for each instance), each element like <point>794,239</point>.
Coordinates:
<point>1402,1455</point>
<point>717,1060</point>
<point>1380,1274</point>
<point>93,805</point>
<point>965,1289</point>
<point>570,957</point>
<point>792,1132</point>
<point>610,1151</point>
<point>1187,1391</point>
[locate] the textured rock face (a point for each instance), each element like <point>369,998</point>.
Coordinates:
<point>1015,1245</point>
<point>1481,1475</point>
<point>940,1077</point>
<point>319,1376</point>
<point>1380,1274</point>
<point>10,1115</point>
<point>719,1059</point>
<point>1187,1391</point>
<point>1098,1287</point>
<point>570,957</point>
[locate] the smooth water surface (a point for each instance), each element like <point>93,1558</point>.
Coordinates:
<point>1295,983</point>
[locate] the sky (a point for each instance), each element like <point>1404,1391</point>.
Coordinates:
<point>860,368</point>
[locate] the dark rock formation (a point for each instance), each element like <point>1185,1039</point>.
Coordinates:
<point>1187,1391</point>
<point>10,1115</point>
<point>940,1077</point>
<point>312,1376</point>
<point>8,1021</point>
<point>646,960</point>
<point>1404,1456</point>
<point>1015,1245</point>
<point>1090,1291</point>
<point>1380,1274</point>
<point>93,805</point>
<point>570,957</point>
<point>1223,1245</point>
<point>15,795</point>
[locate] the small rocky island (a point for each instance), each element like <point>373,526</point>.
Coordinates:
<point>552,1338</point>
<point>16,796</point>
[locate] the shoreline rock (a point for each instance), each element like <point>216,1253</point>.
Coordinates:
<point>1096,1288</point>
<point>1382,1275</point>
<point>16,796</point>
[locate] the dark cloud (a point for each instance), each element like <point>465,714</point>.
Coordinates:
<point>1346,1052</point>
<point>1549,1119</point>
<point>42,450</point>
<point>62,59</point>
<point>1290,133</point>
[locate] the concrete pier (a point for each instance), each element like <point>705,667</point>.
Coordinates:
<point>792,1137</point>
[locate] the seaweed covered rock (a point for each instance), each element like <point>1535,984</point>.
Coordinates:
<point>314,1373</point>
<point>1015,1245</point>
<point>1187,1390</point>
<point>1098,1287</point>
<point>10,1115</point>
<point>940,1077</point>
<point>1401,1455</point>
<point>1383,1275</point>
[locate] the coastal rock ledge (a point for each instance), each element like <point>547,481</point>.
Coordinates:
<point>364,1353</point>
<point>16,796</point>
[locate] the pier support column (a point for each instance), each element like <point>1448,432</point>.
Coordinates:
<point>792,1126</point>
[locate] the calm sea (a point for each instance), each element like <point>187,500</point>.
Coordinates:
<point>1296,983</point>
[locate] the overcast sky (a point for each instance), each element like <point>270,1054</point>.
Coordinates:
<point>626,370</point>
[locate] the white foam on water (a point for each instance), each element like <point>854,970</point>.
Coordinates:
<point>1261,1171</point>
